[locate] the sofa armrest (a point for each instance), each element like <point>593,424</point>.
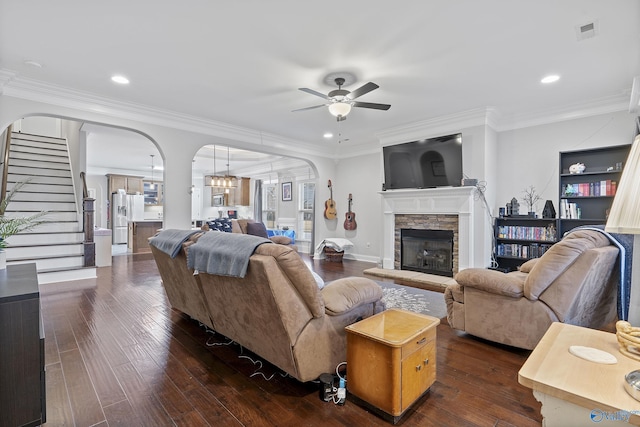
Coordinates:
<point>492,281</point>
<point>346,294</point>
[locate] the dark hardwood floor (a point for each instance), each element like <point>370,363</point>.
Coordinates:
<point>117,355</point>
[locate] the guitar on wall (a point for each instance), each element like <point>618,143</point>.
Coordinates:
<point>330,205</point>
<point>350,217</point>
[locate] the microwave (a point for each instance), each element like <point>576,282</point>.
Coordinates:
<point>217,200</point>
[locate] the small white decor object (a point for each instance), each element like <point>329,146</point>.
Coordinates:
<point>577,168</point>
<point>593,354</point>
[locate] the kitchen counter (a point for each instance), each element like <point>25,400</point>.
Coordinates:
<point>139,234</point>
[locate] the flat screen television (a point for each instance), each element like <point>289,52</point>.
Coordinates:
<point>427,163</point>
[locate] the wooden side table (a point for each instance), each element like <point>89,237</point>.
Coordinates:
<point>578,392</point>
<point>391,360</point>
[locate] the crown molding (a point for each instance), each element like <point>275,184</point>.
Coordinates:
<point>38,91</point>
<point>451,123</point>
<point>604,105</point>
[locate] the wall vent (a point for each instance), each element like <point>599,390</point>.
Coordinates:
<point>587,31</point>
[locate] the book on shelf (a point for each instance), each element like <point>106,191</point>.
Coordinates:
<point>521,232</point>
<point>569,210</point>
<point>605,187</point>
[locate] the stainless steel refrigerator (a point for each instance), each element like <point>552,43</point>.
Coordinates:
<point>119,217</point>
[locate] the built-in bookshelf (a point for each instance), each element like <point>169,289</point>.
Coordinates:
<point>519,239</point>
<point>585,198</point>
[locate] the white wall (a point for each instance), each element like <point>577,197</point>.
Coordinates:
<point>361,177</point>
<point>530,156</point>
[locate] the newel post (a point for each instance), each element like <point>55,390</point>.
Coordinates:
<point>88,207</point>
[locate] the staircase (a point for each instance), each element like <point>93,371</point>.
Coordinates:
<point>56,246</point>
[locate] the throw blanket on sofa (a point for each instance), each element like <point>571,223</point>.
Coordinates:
<point>170,241</point>
<point>624,242</point>
<point>224,254</point>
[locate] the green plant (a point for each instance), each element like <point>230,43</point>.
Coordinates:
<point>10,226</point>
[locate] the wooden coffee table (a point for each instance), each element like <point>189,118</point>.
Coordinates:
<point>391,360</point>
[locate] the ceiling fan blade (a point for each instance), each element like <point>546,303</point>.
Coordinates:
<point>308,108</point>
<point>313,92</point>
<point>372,105</point>
<point>366,88</point>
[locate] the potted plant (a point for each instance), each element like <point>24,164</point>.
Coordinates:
<point>531,198</point>
<point>11,225</point>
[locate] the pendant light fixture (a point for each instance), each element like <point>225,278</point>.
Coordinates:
<point>152,186</point>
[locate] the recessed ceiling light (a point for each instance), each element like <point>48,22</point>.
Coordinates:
<point>120,79</point>
<point>328,135</point>
<point>550,78</point>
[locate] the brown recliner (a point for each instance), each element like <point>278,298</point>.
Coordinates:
<point>574,282</point>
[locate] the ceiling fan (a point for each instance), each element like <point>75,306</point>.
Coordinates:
<point>341,100</point>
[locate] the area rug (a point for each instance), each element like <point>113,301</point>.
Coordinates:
<point>414,299</point>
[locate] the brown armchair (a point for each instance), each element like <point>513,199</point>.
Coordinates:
<point>573,282</point>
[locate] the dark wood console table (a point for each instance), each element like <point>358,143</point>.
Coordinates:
<point>22,378</point>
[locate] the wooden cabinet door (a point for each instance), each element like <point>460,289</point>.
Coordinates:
<point>135,186</point>
<point>418,373</point>
<point>117,182</point>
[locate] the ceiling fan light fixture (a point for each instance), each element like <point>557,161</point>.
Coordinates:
<point>339,108</point>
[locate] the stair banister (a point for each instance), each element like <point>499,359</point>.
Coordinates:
<point>5,163</point>
<point>88,223</point>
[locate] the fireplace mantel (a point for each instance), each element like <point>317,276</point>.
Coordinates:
<point>442,200</point>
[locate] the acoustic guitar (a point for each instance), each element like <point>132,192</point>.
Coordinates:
<point>330,206</point>
<point>350,217</point>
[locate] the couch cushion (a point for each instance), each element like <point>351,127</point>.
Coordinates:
<point>281,240</point>
<point>298,273</point>
<point>527,266</point>
<point>492,281</point>
<point>559,258</point>
<point>343,295</point>
<point>257,229</point>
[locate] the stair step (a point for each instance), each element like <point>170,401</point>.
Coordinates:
<point>34,169</point>
<point>26,138</point>
<point>40,158</point>
<point>50,251</point>
<point>34,179</point>
<point>37,206</point>
<point>59,237</point>
<point>43,188</point>
<point>43,263</point>
<point>39,153</point>
<point>60,146</point>
<point>27,196</point>
<point>52,216</point>
<point>58,227</point>
<point>68,279</point>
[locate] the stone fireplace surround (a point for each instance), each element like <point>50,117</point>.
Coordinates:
<point>432,207</point>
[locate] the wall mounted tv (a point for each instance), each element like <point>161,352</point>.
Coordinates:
<point>427,163</point>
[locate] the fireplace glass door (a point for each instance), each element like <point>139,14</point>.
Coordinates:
<point>427,251</point>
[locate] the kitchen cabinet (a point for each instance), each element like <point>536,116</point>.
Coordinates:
<point>22,389</point>
<point>153,195</point>
<point>391,360</point>
<point>139,234</point>
<point>236,196</point>
<point>130,184</point>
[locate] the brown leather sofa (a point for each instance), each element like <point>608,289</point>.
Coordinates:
<point>573,282</point>
<point>276,310</point>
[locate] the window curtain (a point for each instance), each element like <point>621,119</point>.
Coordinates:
<point>257,201</point>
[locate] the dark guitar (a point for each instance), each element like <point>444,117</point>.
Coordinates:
<point>350,217</point>
<point>330,205</point>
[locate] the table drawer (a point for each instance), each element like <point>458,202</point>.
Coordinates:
<point>418,342</point>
